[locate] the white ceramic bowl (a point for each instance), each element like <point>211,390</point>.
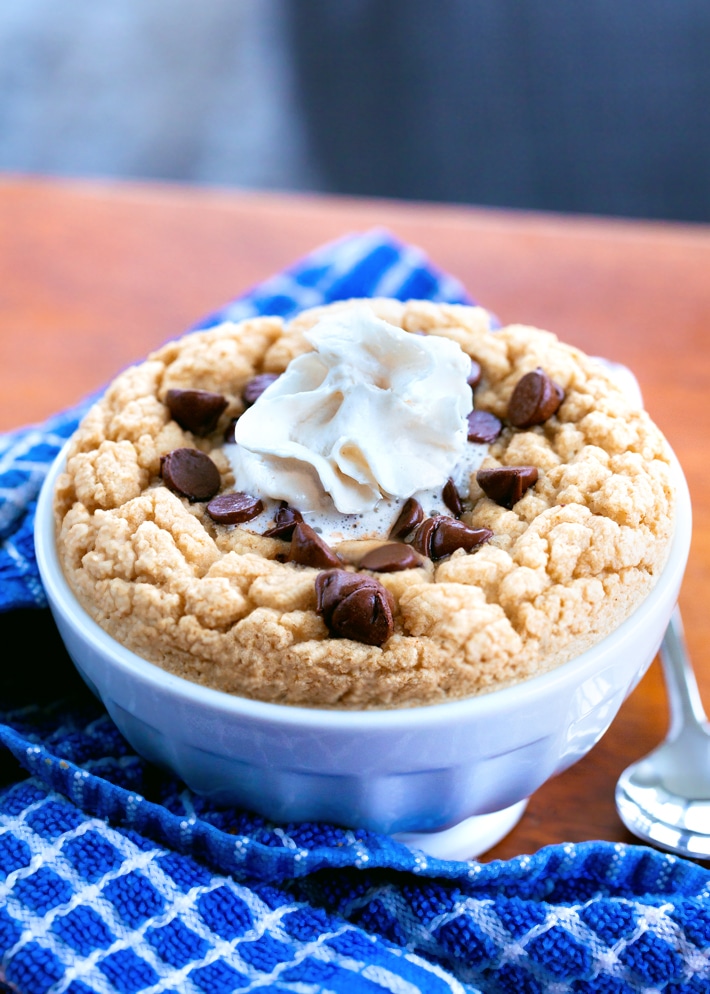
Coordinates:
<point>406,772</point>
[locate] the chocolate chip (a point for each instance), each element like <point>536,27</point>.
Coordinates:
<point>254,388</point>
<point>535,399</point>
<point>197,411</point>
<point>233,508</point>
<point>335,584</point>
<point>354,607</point>
<point>285,520</point>
<point>439,536</point>
<point>309,549</point>
<point>421,540</point>
<point>450,535</point>
<point>363,616</point>
<point>506,484</point>
<point>474,377</point>
<point>190,473</point>
<point>390,558</point>
<point>409,517</point>
<point>483,426</point>
<point>228,436</point>
<point>451,498</point>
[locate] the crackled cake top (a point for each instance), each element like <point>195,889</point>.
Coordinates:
<point>377,504</point>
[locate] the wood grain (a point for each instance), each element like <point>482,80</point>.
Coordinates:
<point>94,275</point>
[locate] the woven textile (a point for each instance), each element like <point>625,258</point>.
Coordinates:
<point>115,878</point>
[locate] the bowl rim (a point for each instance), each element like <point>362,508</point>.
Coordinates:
<point>62,600</point>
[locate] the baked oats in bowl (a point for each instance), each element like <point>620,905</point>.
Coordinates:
<point>379,565</point>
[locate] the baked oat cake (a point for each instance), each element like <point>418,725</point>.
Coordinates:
<point>551,527</point>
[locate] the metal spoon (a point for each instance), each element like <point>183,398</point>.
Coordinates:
<point>664,798</point>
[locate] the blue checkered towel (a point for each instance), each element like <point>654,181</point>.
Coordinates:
<point>115,878</point>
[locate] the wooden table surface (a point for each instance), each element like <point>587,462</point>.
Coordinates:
<point>94,275</point>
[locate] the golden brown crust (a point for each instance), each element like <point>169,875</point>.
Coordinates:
<point>214,604</point>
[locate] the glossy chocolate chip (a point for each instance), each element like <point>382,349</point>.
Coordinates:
<point>197,411</point>
<point>535,399</point>
<point>450,535</point>
<point>354,607</point>
<point>421,539</point>
<point>335,584</point>
<point>409,517</point>
<point>506,484</point>
<point>451,498</point>
<point>228,436</point>
<point>309,549</point>
<point>439,536</point>
<point>483,427</point>
<point>285,520</point>
<point>363,616</point>
<point>474,377</point>
<point>390,558</point>
<point>234,508</point>
<point>190,473</point>
<point>254,388</point>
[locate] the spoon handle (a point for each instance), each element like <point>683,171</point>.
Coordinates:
<point>685,704</point>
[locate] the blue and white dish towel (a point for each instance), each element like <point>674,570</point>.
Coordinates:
<point>115,879</point>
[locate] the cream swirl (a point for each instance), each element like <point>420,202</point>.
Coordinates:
<point>371,412</point>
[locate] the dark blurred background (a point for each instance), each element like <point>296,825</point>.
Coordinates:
<point>585,106</point>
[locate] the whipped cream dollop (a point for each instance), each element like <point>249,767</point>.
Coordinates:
<point>371,412</point>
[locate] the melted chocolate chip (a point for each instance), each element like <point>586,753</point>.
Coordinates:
<point>474,377</point>
<point>390,558</point>
<point>285,520</point>
<point>450,535</point>
<point>335,584</point>
<point>354,607</point>
<point>421,539</point>
<point>409,517</point>
<point>483,427</point>
<point>506,484</point>
<point>233,508</point>
<point>190,473</point>
<point>309,549</point>
<point>197,411</point>
<point>451,498</point>
<point>254,388</point>
<point>363,616</point>
<point>439,536</point>
<point>535,399</point>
